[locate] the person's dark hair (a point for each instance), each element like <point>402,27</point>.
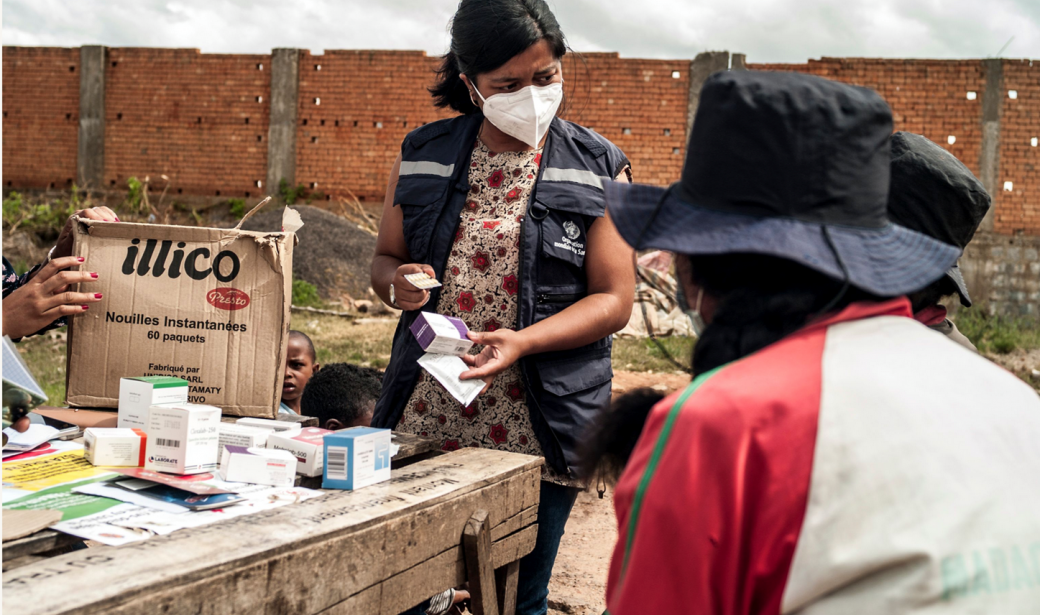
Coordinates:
<point>761,300</point>
<point>485,34</point>
<point>614,435</point>
<point>341,391</point>
<point>932,294</point>
<point>306,340</point>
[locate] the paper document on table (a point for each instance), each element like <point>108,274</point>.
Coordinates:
<point>32,437</point>
<point>111,491</point>
<point>446,369</point>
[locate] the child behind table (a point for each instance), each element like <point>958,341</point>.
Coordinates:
<point>301,362</point>
<point>342,395</point>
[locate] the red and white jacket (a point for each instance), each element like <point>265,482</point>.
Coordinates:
<point>864,464</point>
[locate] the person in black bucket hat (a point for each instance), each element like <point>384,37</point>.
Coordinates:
<point>829,455</point>
<point>934,193</point>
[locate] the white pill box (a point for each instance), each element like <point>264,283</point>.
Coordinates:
<point>439,334</point>
<point>183,439</point>
<point>356,458</point>
<point>269,424</point>
<point>260,466</point>
<point>137,395</point>
<point>307,445</point>
<point>112,446</point>
<point>233,434</point>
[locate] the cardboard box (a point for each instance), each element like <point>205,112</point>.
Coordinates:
<point>270,424</point>
<point>260,466</point>
<point>307,445</point>
<point>204,304</point>
<point>232,434</point>
<point>182,439</point>
<point>115,447</point>
<point>439,334</point>
<point>356,458</point>
<point>136,395</point>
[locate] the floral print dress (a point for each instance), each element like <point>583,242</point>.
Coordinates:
<point>480,287</point>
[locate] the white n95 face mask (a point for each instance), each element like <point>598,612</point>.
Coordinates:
<point>526,113</point>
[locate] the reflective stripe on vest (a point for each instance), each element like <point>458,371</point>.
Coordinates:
<point>425,167</point>
<point>577,176</point>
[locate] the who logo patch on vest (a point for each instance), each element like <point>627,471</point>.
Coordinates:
<point>207,305</point>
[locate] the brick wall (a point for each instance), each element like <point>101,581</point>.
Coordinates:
<point>355,107</point>
<point>930,97</point>
<point>41,116</point>
<point>637,104</point>
<point>200,119</point>
<point>1018,210</point>
<point>1003,273</point>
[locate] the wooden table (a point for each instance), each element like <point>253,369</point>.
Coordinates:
<point>468,515</point>
<point>46,543</point>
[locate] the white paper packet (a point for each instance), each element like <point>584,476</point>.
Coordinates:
<point>446,369</point>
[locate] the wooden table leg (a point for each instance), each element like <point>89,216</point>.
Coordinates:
<point>476,542</point>
<point>505,582</point>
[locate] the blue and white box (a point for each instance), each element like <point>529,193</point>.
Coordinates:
<point>356,458</point>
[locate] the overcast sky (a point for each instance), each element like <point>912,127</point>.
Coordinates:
<point>766,30</point>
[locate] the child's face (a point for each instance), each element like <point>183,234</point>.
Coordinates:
<point>299,367</point>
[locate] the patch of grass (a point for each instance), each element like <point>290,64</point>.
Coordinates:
<point>642,355</point>
<point>998,334</point>
<point>340,340</point>
<point>306,294</point>
<point>45,357</point>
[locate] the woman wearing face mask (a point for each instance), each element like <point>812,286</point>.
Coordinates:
<point>504,205</point>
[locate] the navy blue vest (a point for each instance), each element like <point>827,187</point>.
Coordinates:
<point>565,389</point>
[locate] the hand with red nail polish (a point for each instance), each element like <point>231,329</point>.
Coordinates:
<point>63,247</point>
<point>46,297</point>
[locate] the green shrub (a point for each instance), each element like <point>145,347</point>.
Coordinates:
<point>237,207</point>
<point>12,209</point>
<point>289,193</point>
<point>135,195</point>
<point>305,294</point>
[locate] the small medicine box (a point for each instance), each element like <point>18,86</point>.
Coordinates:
<point>183,438</point>
<point>110,446</point>
<point>137,395</point>
<point>356,458</point>
<point>307,445</point>
<point>233,434</point>
<point>269,424</point>
<point>260,466</point>
<point>439,334</point>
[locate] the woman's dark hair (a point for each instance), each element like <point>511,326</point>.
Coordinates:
<point>485,34</point>
<point>761,300</point>
<point>613,436</point>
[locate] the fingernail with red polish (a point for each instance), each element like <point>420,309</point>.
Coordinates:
<point>117,219</point>
<point>85,307</point>
<point>97,295</point>
<point>81,259</point>
<point>93,275</point>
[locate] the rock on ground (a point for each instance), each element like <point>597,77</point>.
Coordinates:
<point>332,253</point>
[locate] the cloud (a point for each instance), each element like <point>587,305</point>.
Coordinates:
<point>766,30</point>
